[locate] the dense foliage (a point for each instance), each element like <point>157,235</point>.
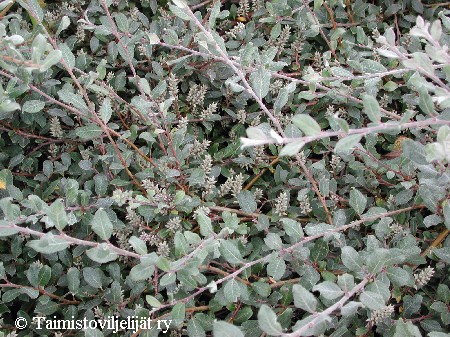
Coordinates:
<point>241,168</point>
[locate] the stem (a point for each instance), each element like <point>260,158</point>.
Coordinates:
<point>319,317</point>
<point>65,237</point>
<point>371,129</point>
<point>285,251</point>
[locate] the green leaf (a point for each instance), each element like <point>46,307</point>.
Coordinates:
<point>52,58</point>
<point>101,224</point>
<point>181,246</point>
<point>283,96</point>
<point>73,279</point>
<point>31,293</point>
<point>276,267</point>
<point>406,329</point>
<point>36,203</point>
<point>90,131</point>
<point>351,259</point>
<point>291,149</point>
<point>88,332</point>
<point>163,263</point>
<point>33,274</point>
<point>75,99</point>
<point>358,201</point>
<point>411,305</point>
<point>180,3</point>
<point>273,241</point>
<point>341,72</point>
<point>247,201</point>
<point>390,86</point>
<point>230,251</point>
<point>328,290</point>
<point>138,245</point>
<point>267,320</point>
<point>10,210</point>
<point>33,106</point>
<point>307,124</point>
<point>63,24</point>
<point>153,38</point>
<point>122,22</point>
<point>142,272</point>
<point>221,44</point>
<point>179,12</point>
<point>101,254</point>
<point>380,258</point>
<point>153,301</point>
<point>371,67</point>
<point>446,212</point>
<point>350,309</point>
<point>195,329</point>
<point>67,55</point>
<point>232,290</point>
<point>48,244</point>
<point>319,251</point>
<point>347,144</point>
<point>106,110</point>
<point>235,87</point>
<point>372,300</point>
<point>93,276</point>
<point>443,293</point>
<point>346,282</point>
<point>400,277</point>
<point>45,274</point>
<point>145,86</point>
<point>224,329</point>
<point>169,278</point>
<point>10,295</point>
<point>426,103</point>
<point>214,13</point>
<point>414,151</point>
<point>260,81</point>
<point>443,254</point>
<point>303,299</point>
<point>204,222</point>
<point>443,133</point>
<point>179,313</point>
<point>281,100</point>
<point>33,8</point>
<point>292,228</point>
<point>387,53</point>
<point>318,4</point>
<point>372,108</point>
<point>57,214</point>
<point>6,230</point>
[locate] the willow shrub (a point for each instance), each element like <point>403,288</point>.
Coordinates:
<point>276,167</point>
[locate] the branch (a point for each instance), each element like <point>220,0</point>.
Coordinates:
<point>381,127</point>
<point>65,237</point>
<point>286,251</point>
<point>303,82</point>
<point>321,315</point>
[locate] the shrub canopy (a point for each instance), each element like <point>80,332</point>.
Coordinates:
<point>238,168</point>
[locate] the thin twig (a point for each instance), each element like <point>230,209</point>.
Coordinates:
<point>259,175</point>
<point>287,250</point>
<point>42,291</point>
<point>71,240</point>
<point>321,315</point>
<point>90,105</point>
<point>441,237</point>
<point>439,4</point>
<point>316,20</point>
